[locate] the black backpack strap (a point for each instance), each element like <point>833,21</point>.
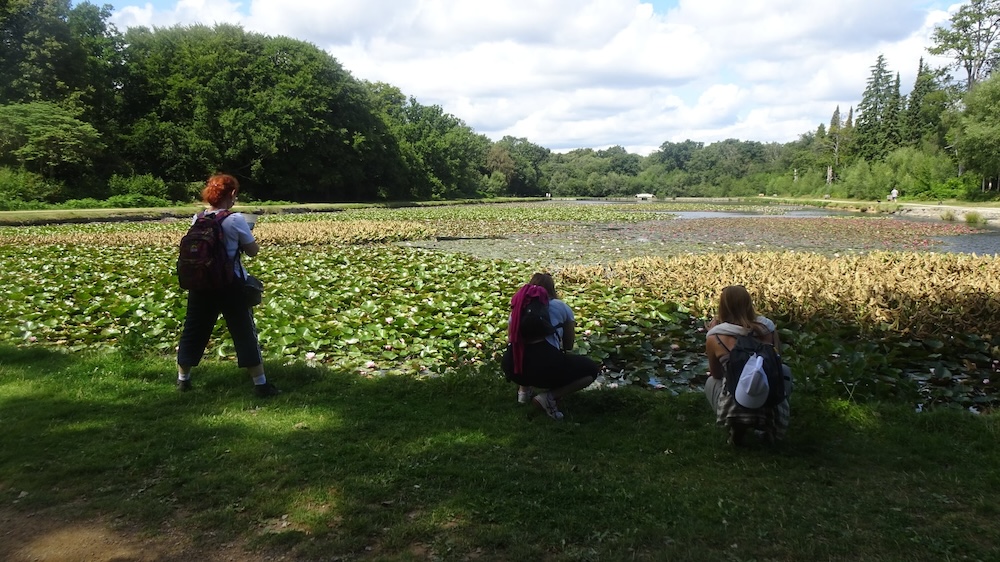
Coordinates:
<point>220,216</point>
<point>718,339</point>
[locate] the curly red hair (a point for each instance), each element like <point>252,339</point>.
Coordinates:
<point>219,188</point>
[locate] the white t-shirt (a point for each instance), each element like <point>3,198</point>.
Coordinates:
<point>237,233</point>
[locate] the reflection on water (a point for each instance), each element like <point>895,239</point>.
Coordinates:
<point>982,244</point>
<point>792,213</point>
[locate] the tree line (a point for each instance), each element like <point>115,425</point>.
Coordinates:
<point>89,114</point>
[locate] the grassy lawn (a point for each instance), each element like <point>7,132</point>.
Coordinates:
<point>343,467</point>
<point>397,439</point>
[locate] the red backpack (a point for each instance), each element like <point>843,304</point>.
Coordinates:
<point>203,263</point>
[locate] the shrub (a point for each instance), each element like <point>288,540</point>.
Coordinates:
<point>19,205</point>
<point>19,184</point>
<point>129,201</point>
<point>952,188</point>
<point>973,218</point>
<point>948,216</point>
<point>85,203</point>
<point>193,189</point>
<point>145,184</point>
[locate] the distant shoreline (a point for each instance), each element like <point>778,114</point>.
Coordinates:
<point>990,214</point>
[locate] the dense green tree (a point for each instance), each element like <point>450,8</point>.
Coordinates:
<point>728,158</point>
<point>451,154</point>
<point>894,116</point>
<point>389,105</point>
<point>50,52</point>
<point>675,156</point>
<point>836,141</point>
<point>876,131</point>
<point>46,139</point>
<point>443,156</point>
<point>927,102</point>
<point>972,38</point>
<point>40,60</point>
<point>620,161</point>
<point>978,140</point>
<point>499,161</point>
<point>919,173</point>
<point>280,114</point>
<point>102,46</point>
<point>567,173</point>
<point>528,177</point>
<point>814,151</point>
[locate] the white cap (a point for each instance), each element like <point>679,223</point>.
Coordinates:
<point>752,388</point>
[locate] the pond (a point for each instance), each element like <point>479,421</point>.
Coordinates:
<point>726,228</point>
<point>984,242</point>
<point>981,244</point>
<point>791,212</point>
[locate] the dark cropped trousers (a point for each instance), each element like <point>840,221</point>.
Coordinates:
<point>203,310</point>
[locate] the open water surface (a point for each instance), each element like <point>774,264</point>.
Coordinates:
<point>593,244</point>
<point>981,244</point>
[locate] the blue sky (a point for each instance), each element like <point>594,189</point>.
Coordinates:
<point>596,73</point>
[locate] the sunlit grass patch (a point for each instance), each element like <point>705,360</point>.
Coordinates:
<point>455,467</point>
<point>856,416</point>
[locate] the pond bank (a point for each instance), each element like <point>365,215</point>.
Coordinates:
<point>989,214</point>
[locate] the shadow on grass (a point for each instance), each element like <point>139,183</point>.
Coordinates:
<point>345,466</point>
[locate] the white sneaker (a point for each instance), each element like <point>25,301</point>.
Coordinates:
<point>547,403</point>
<point>523,396</point>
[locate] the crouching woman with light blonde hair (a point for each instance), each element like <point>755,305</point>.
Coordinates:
<point>736,317</point>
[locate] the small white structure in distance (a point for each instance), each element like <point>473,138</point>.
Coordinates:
<point>644,196</point>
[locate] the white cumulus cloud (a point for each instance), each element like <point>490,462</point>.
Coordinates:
<point>596,73</point>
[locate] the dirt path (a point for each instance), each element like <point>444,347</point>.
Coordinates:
<point>53,535</point>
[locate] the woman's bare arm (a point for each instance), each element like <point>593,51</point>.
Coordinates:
<point>569,335</point>
<point>714,350</point>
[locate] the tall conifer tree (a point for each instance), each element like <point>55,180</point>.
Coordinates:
<point>875,133</point>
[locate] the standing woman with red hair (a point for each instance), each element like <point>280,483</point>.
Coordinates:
<point>205,306</point>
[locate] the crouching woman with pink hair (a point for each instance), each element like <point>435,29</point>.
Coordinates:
<point>538,351</point>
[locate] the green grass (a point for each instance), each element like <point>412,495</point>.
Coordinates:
<point>342,466</point>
